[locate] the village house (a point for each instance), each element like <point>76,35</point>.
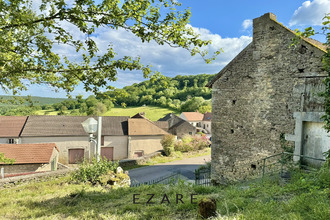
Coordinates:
<point>118,140</point>
<point>11,128</point>
<point>268,92</point>
<point>30,157</point>
<point>177,126</point>
<point>206,123</point>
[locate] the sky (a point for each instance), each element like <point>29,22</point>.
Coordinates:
<point>227,23</point>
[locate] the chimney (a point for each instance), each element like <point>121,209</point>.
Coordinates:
<point>260,26</point>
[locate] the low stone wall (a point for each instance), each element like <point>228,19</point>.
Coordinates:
<point>139,160</point>
<point>12,181</point>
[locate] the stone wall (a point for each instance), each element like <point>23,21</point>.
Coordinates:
<point>183,129</point>
<point>256,94</point>
<point>24,168</point>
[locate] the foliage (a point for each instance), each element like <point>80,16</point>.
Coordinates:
<point>55,199</point>
<point>28,38</point>
<point>115,180</point>
<point>6,160</point>
<point>192,143</point>
<point>168,144</point>
<point>326,63</point>
<point>174,93</point>
<point>91,172</point>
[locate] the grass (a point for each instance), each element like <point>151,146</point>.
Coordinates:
<point>304,197</point>
<point>153,113</point>
<point>178,156</point>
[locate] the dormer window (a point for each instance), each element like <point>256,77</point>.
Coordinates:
<point>11,141</point>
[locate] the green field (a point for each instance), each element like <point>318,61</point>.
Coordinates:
<point>153,113</point>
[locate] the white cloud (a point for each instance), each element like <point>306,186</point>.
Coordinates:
<point>310,13</point>
<point>170,61</point>
<point>247,24</point>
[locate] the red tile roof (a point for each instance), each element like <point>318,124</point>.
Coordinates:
<point>207,116</point>
<point>11,126</point>
<point>28,153</point>
<point>193,116</point>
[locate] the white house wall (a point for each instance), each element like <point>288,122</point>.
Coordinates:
<point>146,144</point>
<point>119,144</point>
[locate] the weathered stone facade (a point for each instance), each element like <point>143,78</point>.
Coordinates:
<point>255,95</point>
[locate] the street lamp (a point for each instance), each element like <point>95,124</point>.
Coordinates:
<point>92,126</point>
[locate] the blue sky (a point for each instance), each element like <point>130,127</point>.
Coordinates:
<point>227,23</point>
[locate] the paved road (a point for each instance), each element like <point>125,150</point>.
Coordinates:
<point>186,167</point>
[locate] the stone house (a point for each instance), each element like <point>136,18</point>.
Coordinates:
<point>11,128</point>
<point>177,126</point>
<point>194,118</point>
<point>268,92</point>
<point>143,137</point>
<point>30,157</point>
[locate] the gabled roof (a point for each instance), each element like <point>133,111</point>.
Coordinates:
<point>162,124</point>
<point>11,126</point>
<point>272,18</point>
<point>181,123</point>
<point>167,117</point>
<point>193,116</point>
<point>28,153</point>
<point>140,126</point>
<point>207,116</point>
<point>58,125</point>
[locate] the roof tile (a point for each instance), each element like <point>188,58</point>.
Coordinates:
<point>11,126</point>
<point>28,153</point>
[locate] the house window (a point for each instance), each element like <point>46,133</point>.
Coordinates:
<point>11,141</point>
<point>138,154</point>
<point>190,133</point>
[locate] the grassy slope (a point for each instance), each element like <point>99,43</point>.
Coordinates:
<point>152,112</point>
<point>302,198</point>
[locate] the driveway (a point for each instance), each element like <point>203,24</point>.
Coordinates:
<point>186,168</point>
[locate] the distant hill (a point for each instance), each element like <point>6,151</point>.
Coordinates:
<point>167,92</point>
<point>35,99</point>
<point>177,94</point>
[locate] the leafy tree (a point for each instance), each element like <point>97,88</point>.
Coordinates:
<point>6,160</point>
<point>27,40</point>
<point>192,104</point>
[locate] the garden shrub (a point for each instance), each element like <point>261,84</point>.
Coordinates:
<point>168,144</point>
<point>191,143</point>
<point>92,171</point>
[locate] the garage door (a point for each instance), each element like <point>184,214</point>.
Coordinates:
<point>76,155</point>
<point>107,152</point>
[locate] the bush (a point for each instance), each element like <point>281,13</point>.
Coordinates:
<point>168,144</point>
<point>191,143</point>
<point>91,172</point>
